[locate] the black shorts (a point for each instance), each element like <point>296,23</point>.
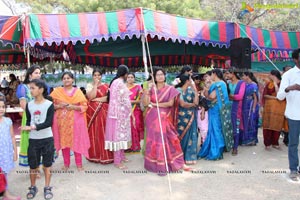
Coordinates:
<point>40,148</point>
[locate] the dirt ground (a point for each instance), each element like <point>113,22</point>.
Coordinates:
<point>254,174</point>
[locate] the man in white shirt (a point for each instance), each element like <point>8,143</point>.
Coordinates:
<point>290,90</point>
<point>4,83</point>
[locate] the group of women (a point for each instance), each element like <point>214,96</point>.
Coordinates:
<point>177,128</point>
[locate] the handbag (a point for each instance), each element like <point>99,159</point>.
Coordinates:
<point>225,113</point>
<point>3,182</point>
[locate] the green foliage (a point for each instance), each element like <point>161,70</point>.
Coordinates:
<point>223,10</point>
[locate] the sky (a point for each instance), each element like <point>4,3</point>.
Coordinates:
<point>4,10</point>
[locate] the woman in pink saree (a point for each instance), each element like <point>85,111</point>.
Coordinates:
<point>137,123</point>
<point>154,153</point>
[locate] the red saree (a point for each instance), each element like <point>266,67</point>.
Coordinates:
<point>96,118</point>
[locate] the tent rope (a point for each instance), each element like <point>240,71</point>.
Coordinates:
<point>257,46</point>
<point>156,99</point>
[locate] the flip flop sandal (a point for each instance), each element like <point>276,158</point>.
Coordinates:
<point>126,160</point>
<point>121,167</point>
<point>32,192</point>
<point>47,193</point>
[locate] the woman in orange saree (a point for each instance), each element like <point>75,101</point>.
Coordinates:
<point>96,119</point>
<point>69,123</point>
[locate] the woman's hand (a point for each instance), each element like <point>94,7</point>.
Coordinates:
<point>25,128</point>
<point>61,105</point>
<point>71,107</point>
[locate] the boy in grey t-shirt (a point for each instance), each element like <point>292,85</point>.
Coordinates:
<point>39,114</point>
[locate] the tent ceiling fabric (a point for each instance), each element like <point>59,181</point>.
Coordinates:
<point>94,37</point>
<point>49,28</point>
<point>281,42</point>
<point>11,31</point>
<point>129,51</point>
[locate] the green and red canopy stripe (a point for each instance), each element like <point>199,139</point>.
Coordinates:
<point>274,41</point>
<point>50,28</point>
<point>187,30</point>
<point>21,59</point>
<point>11,31</point>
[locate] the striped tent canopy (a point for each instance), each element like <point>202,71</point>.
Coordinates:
<point>107,38</point>
<point>11,45</point>
<point>11,31</point>
<point>274,44</point>
<point>49,28</point>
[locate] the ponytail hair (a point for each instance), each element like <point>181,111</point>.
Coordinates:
<point>183,79</point>
<point>251,76</point>
<point>218,73</point>
<point>122,71</point>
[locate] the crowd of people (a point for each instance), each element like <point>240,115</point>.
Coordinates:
<point>200,116</point>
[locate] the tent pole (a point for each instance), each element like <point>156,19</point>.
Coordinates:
<point>28,57</point>
<point>144,56</point>
<point>156,99</point>
<point>238,26</point>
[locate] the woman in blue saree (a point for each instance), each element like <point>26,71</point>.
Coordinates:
<point>250,110</point>
<point>213,147</point>
<point>187,118</point>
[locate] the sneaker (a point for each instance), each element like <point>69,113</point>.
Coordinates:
<point>294,176</point>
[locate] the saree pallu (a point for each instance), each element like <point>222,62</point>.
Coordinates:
<point>23,92</point>
<point>187,127</point>
<point>24,143</point>
<point>250,116</point>
<point>154,152</point>
<point>236,113</point>
<point>137,122</point>
<point>213,146</point>
<point>70,126</point>
<point>96,118</point>
<point>273,113</point>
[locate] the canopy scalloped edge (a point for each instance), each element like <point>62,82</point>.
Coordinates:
<point>74,40</point>
<point>123,36</point>
<point>14,45</point>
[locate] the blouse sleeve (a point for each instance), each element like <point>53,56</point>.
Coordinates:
<point>21,92</point>
<point>180,91</point>
<point>241,93</point>
<point>212,88</point>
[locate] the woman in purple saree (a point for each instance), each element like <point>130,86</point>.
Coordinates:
<point>237,91</point>
<point>154,153</point>
<point>250,110</point>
